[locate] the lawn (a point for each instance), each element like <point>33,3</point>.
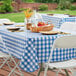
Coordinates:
<point>60,12</point>
<point>19,17</point>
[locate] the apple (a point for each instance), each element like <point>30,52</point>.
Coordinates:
<point>41,24</point>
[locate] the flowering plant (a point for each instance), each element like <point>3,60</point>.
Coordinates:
<point>28,13</point>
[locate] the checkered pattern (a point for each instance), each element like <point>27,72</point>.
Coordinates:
<point>29,61</point>
<point>14,43</point>
<point>33,48</point>
<point>57,21</point>
<point>63,54</point>
<point>54,20</point>
<point>41,47</point>
<point>69,19</point>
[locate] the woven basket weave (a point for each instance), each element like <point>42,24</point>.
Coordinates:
<point>42,28</point>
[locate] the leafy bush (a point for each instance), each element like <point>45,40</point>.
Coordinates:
<point>43,7</point>
<point>72,7</point>
<point>2,10</point>
<point>1,1</point>
<point>28,1</point>
<point>6,6</point>
<point>63,4</point>
<point>67,4</point>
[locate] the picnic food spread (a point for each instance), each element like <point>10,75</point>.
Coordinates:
<point>41,26</point>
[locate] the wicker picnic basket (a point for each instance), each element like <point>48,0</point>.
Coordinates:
<point>42,28</point>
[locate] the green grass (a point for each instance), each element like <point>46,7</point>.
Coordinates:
<point>60,12</point>
<point>19,17</point>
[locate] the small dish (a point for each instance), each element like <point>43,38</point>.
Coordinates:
<point>16,30</point>
<point>8,23</point>
<point>19,25</point>
<point>13,28</point>
<point>0,24</point>
<point>64,33</point>
<point>49,32</point>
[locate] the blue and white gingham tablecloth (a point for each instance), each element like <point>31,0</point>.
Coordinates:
<point>33,48</point>
<point>38,49</point>
<point>57,21</point>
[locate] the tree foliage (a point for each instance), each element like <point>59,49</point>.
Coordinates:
<point>6,6</point>
<point>64,4</point>
<point>43,1</point>
<point>47,1</point>
<point>28,1</point>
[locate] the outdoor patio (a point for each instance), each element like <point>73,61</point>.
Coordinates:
<point>37,37</point>
<point>5,70</point>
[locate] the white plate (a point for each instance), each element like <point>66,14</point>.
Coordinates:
<point>49,32</point>
<point>8,23</point>
<point>13,28</point>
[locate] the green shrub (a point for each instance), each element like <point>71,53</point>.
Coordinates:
<point>2,10</point>
<point>6,6</point>
<point>28,1</point>
<point>1,1</point>
<point>43,7</point>
<point>63,4</point>
<point>72,7</point>
<point>67,4</point>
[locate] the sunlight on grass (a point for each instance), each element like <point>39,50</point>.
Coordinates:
<point>60,12</point>
<point>19,17</point>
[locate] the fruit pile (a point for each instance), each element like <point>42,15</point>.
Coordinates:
<point>41,24</point>
<point>42,27</point>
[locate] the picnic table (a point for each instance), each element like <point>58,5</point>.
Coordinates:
<point>33,48</point>
<point>56,21</point>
